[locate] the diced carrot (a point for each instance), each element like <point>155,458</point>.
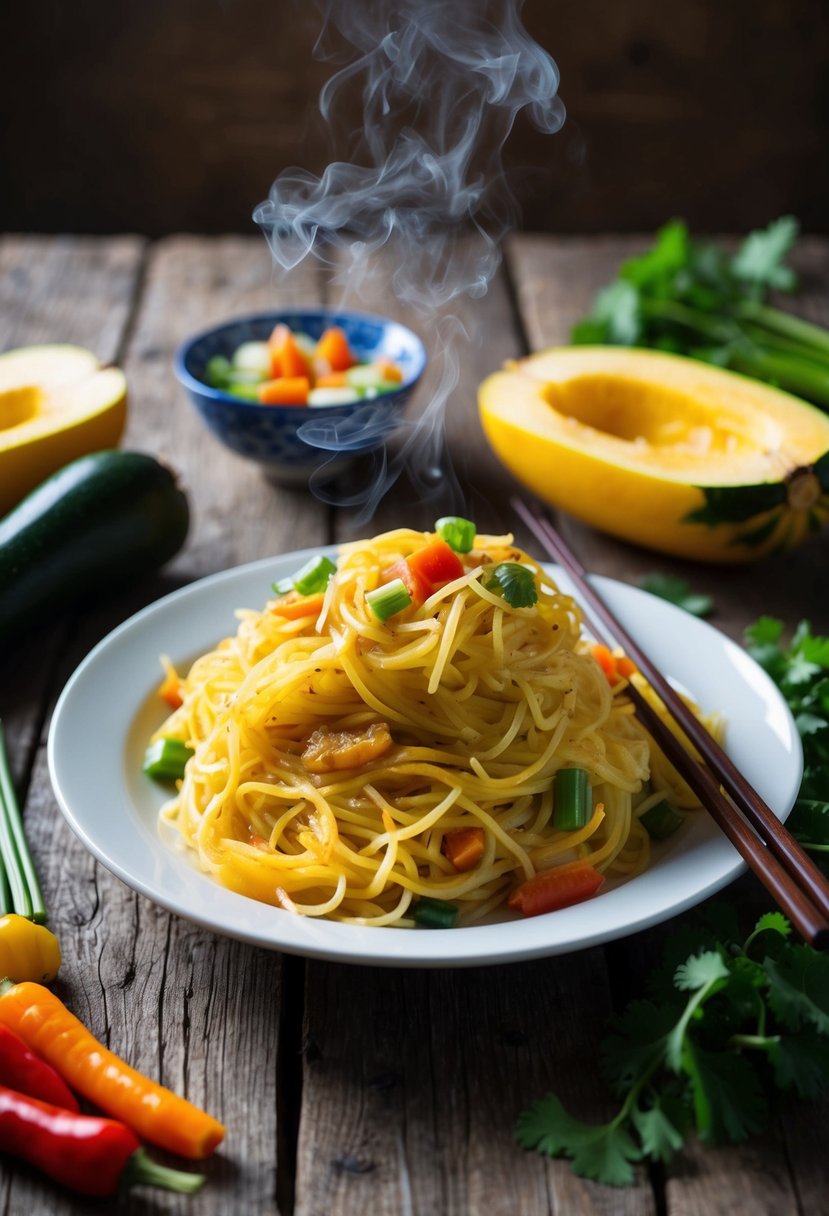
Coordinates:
<point>389,370</point>
<point>334,349</point>
<point>436,563</point>
<point>615,667</point>
<point>286,390</point>
<point>464,847</point>
<point>293,606</point>
<point>559,888</point>
<point>605,660</point>
<point>331,380</point>
<point>286,357</point>
<point>171,689</point>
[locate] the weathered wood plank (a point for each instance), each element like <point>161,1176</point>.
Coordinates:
<point>556,280</point>
<point>414,1080</point>
<point>68,289</point>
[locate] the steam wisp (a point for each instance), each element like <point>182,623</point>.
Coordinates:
<point>440,85</point>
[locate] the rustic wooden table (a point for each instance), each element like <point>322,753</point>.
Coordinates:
<point>348,1089</point>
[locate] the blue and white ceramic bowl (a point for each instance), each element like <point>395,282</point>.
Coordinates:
<point>291,442</point>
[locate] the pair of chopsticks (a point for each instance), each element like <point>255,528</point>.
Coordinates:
<point>776,858</point>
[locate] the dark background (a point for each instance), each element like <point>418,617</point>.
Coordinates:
<point>158,117</point>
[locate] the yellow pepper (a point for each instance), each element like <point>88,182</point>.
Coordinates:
<point>27,951</point>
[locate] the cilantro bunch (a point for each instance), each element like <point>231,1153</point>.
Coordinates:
<point>801,672</point>
<point>695,299</point>
<point>734,1021</point>
<point>725,1023</point>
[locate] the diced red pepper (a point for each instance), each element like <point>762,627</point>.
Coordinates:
<point>418,588</point>
<point>559,888</point>
<point>436,563</point>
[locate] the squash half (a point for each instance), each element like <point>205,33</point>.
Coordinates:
<point>56,403</point>
<point>661,450</point>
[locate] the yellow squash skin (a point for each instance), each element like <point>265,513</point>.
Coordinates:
<point>661,450</point>
<point>56,403</point>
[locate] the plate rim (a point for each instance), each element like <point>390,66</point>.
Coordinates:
<point>365,945</point>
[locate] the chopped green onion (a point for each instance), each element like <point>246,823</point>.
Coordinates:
<point>573,799</point>
<point>459,533</point>
<point>435,913</point>
<point>283,586</point>
<point>20,880</point>
<point>164,760</point>
<point>389,599</point>
<point>314,575</point>
<point>512,581</point>
<point>662,820</point>
<point>247,392</point>
<point>217,371</point>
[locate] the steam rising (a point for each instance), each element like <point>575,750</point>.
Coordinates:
<point>441,83</point>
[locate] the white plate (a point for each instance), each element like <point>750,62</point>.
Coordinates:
<point>109,707</point>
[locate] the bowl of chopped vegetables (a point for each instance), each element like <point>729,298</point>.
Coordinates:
<point>302,389</point>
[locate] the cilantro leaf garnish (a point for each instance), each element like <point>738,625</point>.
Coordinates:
<point>513,581</point>
<point>759,260</point>
<point>705,1059</point>
<point>676,591</point>
<point>604,1151</point>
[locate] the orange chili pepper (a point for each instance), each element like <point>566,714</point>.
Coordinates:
<point>152,1111</point>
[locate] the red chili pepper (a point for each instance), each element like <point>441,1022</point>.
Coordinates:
<point>23,1070</point>
<point>87,1153</point>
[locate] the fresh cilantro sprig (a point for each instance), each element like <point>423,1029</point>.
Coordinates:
<point>677,591</point>
<point>737,1020</point>
<point>801,671</point>
<point>724,1025</point>
<point>690,298</point>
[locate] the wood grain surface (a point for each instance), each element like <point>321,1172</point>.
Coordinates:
<point>347,1089</point>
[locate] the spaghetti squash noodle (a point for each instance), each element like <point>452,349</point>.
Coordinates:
<point>391,740</point>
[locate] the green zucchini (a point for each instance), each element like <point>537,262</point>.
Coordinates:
<point>100,522</point>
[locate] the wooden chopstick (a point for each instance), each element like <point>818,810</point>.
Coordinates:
<point>777,859</point>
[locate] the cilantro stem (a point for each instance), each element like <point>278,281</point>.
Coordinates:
<point>721,330</point>
<point>804,332</point>
<point>760,1042</point>
<point>792,373</point>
